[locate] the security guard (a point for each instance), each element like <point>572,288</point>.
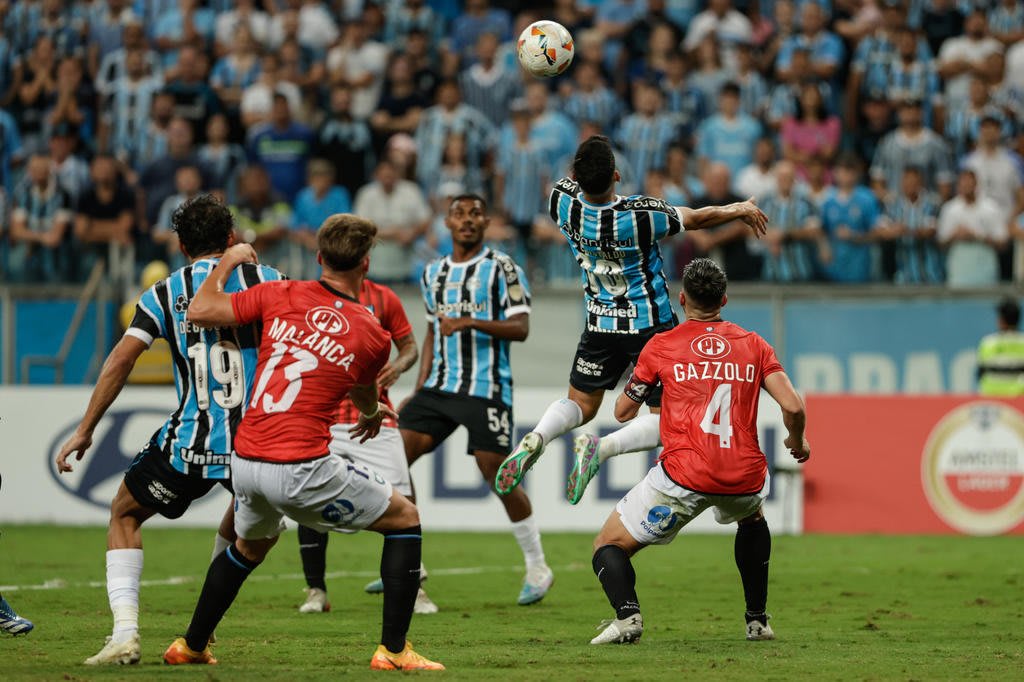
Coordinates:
<point>1001,355</point>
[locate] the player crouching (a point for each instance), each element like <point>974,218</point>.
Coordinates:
<point>711,456</point>
<point>319,344</point>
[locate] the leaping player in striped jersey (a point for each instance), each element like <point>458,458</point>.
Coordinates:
<point>615,241</point>
<point>191,453</point>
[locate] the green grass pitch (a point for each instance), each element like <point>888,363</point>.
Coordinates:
<point>853,607</point>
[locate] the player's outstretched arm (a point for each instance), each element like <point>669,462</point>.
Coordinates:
<point>712,216</point>
<point>211,306</point>
<point>794,417</point>
<point>113,377</point>
<point>515,328</point>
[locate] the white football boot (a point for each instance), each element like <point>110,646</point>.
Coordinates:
<point>316,601</point>
<point>617,631</point>
<point>127,652</point>
<point>758,631</point>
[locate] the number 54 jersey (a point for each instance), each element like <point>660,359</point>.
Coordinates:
<point>712,373</point>
<point>317,344</point>
<point>213,368</point>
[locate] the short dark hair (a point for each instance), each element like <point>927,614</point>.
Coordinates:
<point>1009,312</point>
<point>594,164</point>
<point>704,283</point>
<point>344,240</point>
<point>730,88</point>
<point>203,225</point>
<point>467,196</point>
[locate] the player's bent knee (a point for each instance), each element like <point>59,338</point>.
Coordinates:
<point>255,550</point>
<point>756,517</point>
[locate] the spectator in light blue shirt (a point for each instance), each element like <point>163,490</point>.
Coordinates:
<point>476,19</point>
<point>318,200</point>
<point>169,32</point>
<point>647,133</point>
<point>730,135</point>
<point>551,130</point>
<point>826,48</point>
<point>849,216</point>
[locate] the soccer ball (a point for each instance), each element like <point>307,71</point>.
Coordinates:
<point>545,48</point>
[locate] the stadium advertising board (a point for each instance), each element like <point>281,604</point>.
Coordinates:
<point>36,420</point>
<point>916,465</point>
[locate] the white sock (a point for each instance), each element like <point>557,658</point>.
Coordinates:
<point>639,435</point>
<point>124,569</point>
<point>528,536</point>
<point>562,416</point>
<point>220,543</point>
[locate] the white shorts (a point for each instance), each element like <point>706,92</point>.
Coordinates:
<point>329,493</point>
<point>384,454</point>
<point>656,509</point>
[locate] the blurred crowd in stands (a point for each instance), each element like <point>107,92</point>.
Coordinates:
<point>884,138</point>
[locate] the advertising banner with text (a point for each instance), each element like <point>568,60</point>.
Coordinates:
<point>915,464</point>
<point>34,421</point>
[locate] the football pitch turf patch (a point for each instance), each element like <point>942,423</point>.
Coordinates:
<point>844,607</point>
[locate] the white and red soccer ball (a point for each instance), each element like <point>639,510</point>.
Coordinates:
<point>545,48</point>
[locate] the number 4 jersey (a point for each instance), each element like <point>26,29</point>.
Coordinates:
<point>317,344</point>
<point>712,373</point>
<point>213,368</point>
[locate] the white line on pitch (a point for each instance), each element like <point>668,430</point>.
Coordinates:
<point>61,584</point>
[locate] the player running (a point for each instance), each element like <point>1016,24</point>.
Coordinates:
<point>477,302</point>
<point>615,241</point>
<point>319,344</point>
<point>190,454</point>
<point>384,454</point>
<point>712,373</point>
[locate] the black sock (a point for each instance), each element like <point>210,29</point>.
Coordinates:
<point>753,550</point>
<point>313,550</point>
<point>223,579</point>
<point>400,572</point>
<point>615,571</point>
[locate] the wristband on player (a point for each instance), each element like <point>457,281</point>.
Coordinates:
<point>372,415</point>
<point>636,390</point>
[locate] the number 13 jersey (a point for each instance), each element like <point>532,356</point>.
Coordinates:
<point>213,368</point>
<point>712,373</point>
<point>317,344</point>
<point>616,246</point>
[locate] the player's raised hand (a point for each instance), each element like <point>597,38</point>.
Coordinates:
<point>368,427</point>
<point>77,444</point>
<point>801,450</point>
<point>241,253</point>
<point>754,217</point>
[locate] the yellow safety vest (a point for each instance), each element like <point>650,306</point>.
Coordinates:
<point>1001,364</point>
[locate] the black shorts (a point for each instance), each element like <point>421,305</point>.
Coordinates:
<point>156,485</point>
<point>602,358</point>
<point>438,413</point>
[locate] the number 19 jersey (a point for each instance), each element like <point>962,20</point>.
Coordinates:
<point>712,373</point>
<point>213,368</point>
<point>317,344</point>
<point>616,246</point>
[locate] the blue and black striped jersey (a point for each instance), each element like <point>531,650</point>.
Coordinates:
<point>488,287</point>
<point>616,246</point>
<point>213,368</point>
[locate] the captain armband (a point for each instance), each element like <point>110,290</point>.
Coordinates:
<point>636,390</point>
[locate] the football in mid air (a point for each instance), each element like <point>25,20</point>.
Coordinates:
<point>545,48</point>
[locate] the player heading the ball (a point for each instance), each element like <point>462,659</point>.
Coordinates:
<point>615,242</point>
